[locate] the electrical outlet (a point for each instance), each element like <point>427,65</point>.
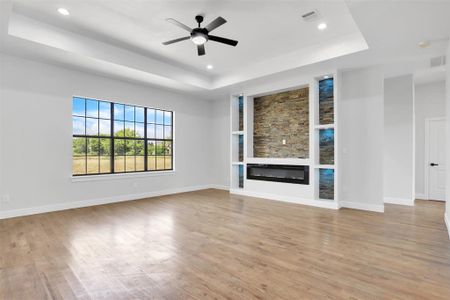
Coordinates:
<point>284,141</point>
<point>4,200</point>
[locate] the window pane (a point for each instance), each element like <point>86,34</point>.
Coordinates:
<point>93,146</point>
<point>105,147</point>
<point>140,163</point>
<point>130,164</point>
<point>105,127</point>
<point>167,118</point>
<point>129,129</point>
<point>159,148</point>
<point>150,115</point>
<point>139,114</point>
<point>151,148</point>
<point>151,163</point>
<point>159,131</point>
<point>91,108</point>
<point>78,107</point>
<point>168,163</point>
<point>119,128</point>
<point>79,147</point>
<point>140,130</point>
<point>119,147</point>
<point>130,149</point>
<point>160,163</point>
<point>105,164</point>
<point>119,112</point>
<point>167,132</point>
<point>129,113</point>
<point>140,149</point>
<point>79,165</point>
<point>168,148</point>
<point>91,126</point>
<point>78,125</point>
<point>159,117</point>
<point>105,110</point>
<point>119,164</point>
<point>92,165</point>
<point>150,131</point>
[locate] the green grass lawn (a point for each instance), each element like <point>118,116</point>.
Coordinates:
<point>121,164</point>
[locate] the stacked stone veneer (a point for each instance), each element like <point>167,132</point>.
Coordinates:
<point>326,99</point>
<point>282,116</point>
<point>326,184</point>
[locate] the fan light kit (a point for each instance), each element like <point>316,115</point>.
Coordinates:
<point>63,11</point>
<point>199,36</point>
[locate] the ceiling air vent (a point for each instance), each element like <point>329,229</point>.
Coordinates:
<point>437,61</point>
<point>311,16</point>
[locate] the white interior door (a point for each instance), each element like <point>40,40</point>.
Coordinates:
<point>436,159</point>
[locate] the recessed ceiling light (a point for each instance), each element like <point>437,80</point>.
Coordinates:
<point>209,67</point>
<point>424,44</point>
<point>322,26</point>
<point>63,11</point>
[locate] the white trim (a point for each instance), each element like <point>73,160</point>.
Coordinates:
<point>447,223</point>
<point>85,203</point>
<point>427,153</point>
<point>400,201</point>
<point>218,187</point>
<point>84,178</point>
<point>362,206</point>
<point>421,196</point>
<point>330,204</point>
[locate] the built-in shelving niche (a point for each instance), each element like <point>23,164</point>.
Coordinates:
<point>325,139</point>
<point>237,142</point>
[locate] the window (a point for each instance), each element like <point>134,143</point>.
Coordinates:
<point>119,138</point>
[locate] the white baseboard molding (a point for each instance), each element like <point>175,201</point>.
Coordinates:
<point>363,206</point>
<point>447,222</point>
<point>400,201</point>
<point>218,187</point>
<point>85,203</point>
<point>317,203</point>
<point>421,196</point>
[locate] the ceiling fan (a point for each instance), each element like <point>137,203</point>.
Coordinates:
<point>200,36</point>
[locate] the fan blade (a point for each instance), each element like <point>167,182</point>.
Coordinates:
<point>222,40</point>
<point>179,24</point>
<point>201,49</point>
<point>219,21</point>
<point>176,40</point>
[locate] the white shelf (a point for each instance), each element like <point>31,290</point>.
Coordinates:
<point>238,132</point>
<point>326,126</point>
<point>324,167</point>
<point>237,163</point>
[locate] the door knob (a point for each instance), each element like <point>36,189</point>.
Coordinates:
<point>434,165</point>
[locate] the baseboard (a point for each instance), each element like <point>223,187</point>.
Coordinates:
<point>317,203</point>
<point>421,196</point>
<point>363,206</point>
<point>400,201</point>
<point>78,204</point>
<point>219,187</point>
<point>447,222</point>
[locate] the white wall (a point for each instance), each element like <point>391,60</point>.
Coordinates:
<point>398,140</point>
<point>447,210</point>
<point>361,127</point>
<point>429,103</point>
<point>36,136</point>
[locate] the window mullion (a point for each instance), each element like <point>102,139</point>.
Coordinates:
<point>112,158</point>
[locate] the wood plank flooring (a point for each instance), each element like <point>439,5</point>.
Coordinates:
<point>210,245</point>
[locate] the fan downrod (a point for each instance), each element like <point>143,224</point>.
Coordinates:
<point>199,19</point>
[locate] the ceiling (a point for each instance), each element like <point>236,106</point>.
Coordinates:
<point>124,38</point>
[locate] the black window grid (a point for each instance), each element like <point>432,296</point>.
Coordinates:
<point>112,138</point>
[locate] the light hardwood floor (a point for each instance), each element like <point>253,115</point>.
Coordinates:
<point>209,244</point>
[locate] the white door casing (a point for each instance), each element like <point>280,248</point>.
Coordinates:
<point>435,136</point>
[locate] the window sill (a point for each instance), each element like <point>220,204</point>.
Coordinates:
<point>85,178</point>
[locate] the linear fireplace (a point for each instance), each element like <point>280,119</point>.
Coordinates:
<point>279,173</point>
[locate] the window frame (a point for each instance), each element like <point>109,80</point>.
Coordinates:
<point>112,139</point>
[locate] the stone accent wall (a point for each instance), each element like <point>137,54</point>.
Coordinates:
<point>282,116</point>
<point>326,105</point>
<point>326,184</point>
